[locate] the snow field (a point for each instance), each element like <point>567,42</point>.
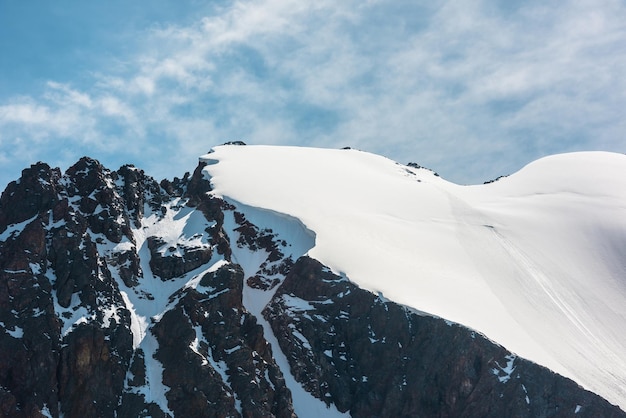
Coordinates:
<point>534,261</point>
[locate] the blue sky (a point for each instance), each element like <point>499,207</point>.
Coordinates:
<point>472,89</point>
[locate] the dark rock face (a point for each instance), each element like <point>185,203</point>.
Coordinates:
<point>255,239</point>
<point>139,190</point>
<point>92,372</point>
<point>183,260</point>
<point>35,192</point>
<point>226,340</point>
<point>92,189</point>
<point>373,358</point>
<point>71,267</point>
<point>119,296</point>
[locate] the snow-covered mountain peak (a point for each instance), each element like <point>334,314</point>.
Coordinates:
<point>588,174</point>
<point>266,284</point>
<point>534,261</point>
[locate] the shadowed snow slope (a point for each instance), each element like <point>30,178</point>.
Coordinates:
<point>535,261</point>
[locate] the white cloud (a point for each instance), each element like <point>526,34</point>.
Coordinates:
<point>144,84</point>
<point>64,95</point>
<point>26,113</point>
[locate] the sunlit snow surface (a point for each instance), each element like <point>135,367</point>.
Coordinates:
<point>535,261</point>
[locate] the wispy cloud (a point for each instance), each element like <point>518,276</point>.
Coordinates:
<point>472,89</point>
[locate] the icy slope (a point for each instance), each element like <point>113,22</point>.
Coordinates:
<point>535,261</point>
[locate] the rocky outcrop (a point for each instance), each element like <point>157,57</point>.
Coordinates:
<point>91,189</point>
<point>71,275</point>
<point>33,193</point>
<point>30,342</point>
<point>111,304</point>
<point>229,362</point>
<point>138,190</point>
<point>275,265</point>
<point>169,262</point>
<point>372,357</point>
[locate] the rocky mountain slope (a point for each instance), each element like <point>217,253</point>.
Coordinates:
<point>121,296</point>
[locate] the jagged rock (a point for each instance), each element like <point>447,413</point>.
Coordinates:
<point>256,239</point>
<point>372,357</point>
<point>138,190</point>
<point>176,187</point>
<point>217,355</point>
<point>212,208</point>
<point>92,372</point>
<point>29,329</point>
<point>32,194</point>
<point>98,199</point>
<point>261,282</point>
<point>38,371</point>
<point>183,260</point>
<point>416,165</point>
<point>196,387</point>
<point>198,186</point>
<point>133,404</point>
<point>74,267</point>
<point>128,265</point>
<point>91,364</point>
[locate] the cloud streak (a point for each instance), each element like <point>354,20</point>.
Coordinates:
<point>472,89</point>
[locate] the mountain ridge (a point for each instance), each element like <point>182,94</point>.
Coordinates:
<point>533,261</point>
<point>147,299</point>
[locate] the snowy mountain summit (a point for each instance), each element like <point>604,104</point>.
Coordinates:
<point>535,261</point>
<point>283,281</point>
